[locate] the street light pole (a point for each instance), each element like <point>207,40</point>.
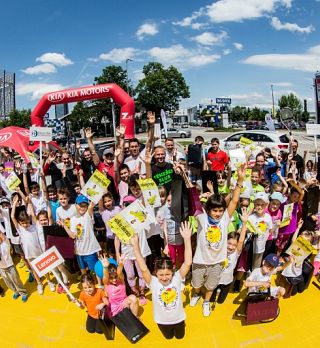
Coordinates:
<point>127,79</point>
<point>272,102</point>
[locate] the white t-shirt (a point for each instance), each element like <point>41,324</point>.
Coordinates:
<point>30,242</point>
<point>86,241</point>
<point>5,254</point>
<point>167,300</point>
<point>211,240</point>
<point>227,273</point>
<point>292,270</point>
<point>169,156</point>
<point>263,225</point>
<point>39,203</point>
<point>127,249</point>
<point>257,276</point>
<point>135,162</point>
<point>66,214</point>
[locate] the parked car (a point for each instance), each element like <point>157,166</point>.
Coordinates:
<point>233,125</point>
<point>184,125</point>
<point>260,138</point>
<point>176,133</point>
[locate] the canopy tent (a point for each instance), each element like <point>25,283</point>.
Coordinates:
<point>17,138</point>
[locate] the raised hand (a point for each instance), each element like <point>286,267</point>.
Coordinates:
<point>185,230</point>
<point>245,214</point>
<point>242,172</point>
<point>120,131</point>
<point>104,260</point>
<point>88,133</point>
<point>151,117</point>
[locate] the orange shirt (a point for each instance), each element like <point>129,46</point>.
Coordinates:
<point>92,301</point>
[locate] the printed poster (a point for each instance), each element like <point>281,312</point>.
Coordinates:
<point>300,249</point>
<point>95,186</point>
<point>150,193</point>
<point>237,157</point>
<point>134,217</point>
<point>33,160</point>
<point>287,214</point>
<point>8,168</point>
<point>12,182</point>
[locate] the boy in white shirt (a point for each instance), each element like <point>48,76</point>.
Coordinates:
<point>9,272</point>
<point>260,223</point>
<point>81,229</point>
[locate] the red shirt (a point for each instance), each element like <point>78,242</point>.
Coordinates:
<point>218,160</point>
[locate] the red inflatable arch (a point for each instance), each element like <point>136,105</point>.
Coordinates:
<point>110,90</point>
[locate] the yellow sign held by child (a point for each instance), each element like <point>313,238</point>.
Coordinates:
<point>150,193</point>
<point>12,182</point>
<point>245,141</point>
<point>300,249</point>
<point>95,186</point>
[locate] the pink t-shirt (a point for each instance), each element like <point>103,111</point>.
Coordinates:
<point>116,296</point>
<point>275,216</point>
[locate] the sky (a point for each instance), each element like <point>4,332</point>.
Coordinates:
<point>223,48</point>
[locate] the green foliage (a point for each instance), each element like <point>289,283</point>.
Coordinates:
<point>292,102</point>
<point>19,118</point>
<point>161,88</point>
<point>81,116</point>
<point>241,113</point>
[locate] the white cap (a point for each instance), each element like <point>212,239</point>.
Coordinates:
<point>261,195</point>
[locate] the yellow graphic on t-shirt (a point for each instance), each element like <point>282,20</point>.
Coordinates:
<point>225,263</point>
<point>213,236</point>
<point>79,230</point>
<point>168,298</point>
<point>67,222</point>
<point>262,226</point>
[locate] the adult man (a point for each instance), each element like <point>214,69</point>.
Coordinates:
<point>297,158</point>
<point>172,154</point>
<point>216,158</point>
<point>195,158</point>
<point>161,172</point>
<point>134,161</point>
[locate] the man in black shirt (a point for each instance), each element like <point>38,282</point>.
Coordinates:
<point>297,158</point>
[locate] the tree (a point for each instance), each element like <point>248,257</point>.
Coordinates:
<point>81,116</point>
<point>293,103</point>
<point>161,88</point>
<point>19,118</point>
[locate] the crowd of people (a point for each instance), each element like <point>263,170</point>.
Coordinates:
<point>218,228</point>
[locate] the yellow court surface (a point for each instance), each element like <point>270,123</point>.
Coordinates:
<point>51,320</point>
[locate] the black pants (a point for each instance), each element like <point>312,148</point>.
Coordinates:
<point>155,244</point>
<point>173,330</point>
<point>93,325</point>
<point>224,290</point>
<point>297,287</point>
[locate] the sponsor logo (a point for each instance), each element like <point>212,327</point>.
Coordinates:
<point>126,116</point>
<point>24,133</point>
<point>56,97</point>
<point>47,261</point>
<point>5,137</point>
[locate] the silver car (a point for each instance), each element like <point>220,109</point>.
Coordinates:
<point>176,133</point>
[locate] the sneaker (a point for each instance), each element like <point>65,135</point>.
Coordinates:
<point>194,300</point>
<point>143,300</point>
<point>52,286</point>
<point>206,309</point>
<point>21,263</point>
<point>31,277</point>
<point>40,289</point>
<point>24,298</point>
<point>15,296</point>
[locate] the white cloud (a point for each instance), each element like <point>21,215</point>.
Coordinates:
<point>226,51</point>
<point>58,59</point>
<point>276,24</point>
<point>37,90</point>
<point>189,21</point>
<point>119,55</point>
<point>281,84</point>
<point>309,61</point>
<point>239,10</point>
<point>179,56</point>
<point>146,29</point>
<point>210,39</point>
<point>238,46</point>
<point>45,68</point>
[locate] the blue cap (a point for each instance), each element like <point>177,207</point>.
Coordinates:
<point>82,199</point>
<point>272,259</point>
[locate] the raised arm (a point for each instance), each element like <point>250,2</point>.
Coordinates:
<point>89,135</point>
<point>151,119</point>
<point>142,264</point>
<point>186,232</point>
<point>244,218</point>
<point>120,131</point>
<point>13,212</point>
<point>236,192</point>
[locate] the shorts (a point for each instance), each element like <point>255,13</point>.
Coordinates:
<point>87,261</point>
<point>206,275</point>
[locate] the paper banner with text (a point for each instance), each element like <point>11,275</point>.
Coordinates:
<point>8,168</point>
<point>95,186</point>
<point>150,193</point>
<point>287,214</point>
<point>33,160</point>
<point>135,216</point>
<point>12,182</point>
<point>237,157</point>
<point>300,249</point>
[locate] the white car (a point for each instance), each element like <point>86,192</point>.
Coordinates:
<point>176,133</point>
<point>260,138</point>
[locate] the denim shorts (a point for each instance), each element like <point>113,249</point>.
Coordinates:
<point>87,261</point>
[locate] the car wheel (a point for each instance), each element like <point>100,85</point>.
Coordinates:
<point>183,135</point>
<point>163,136</point>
